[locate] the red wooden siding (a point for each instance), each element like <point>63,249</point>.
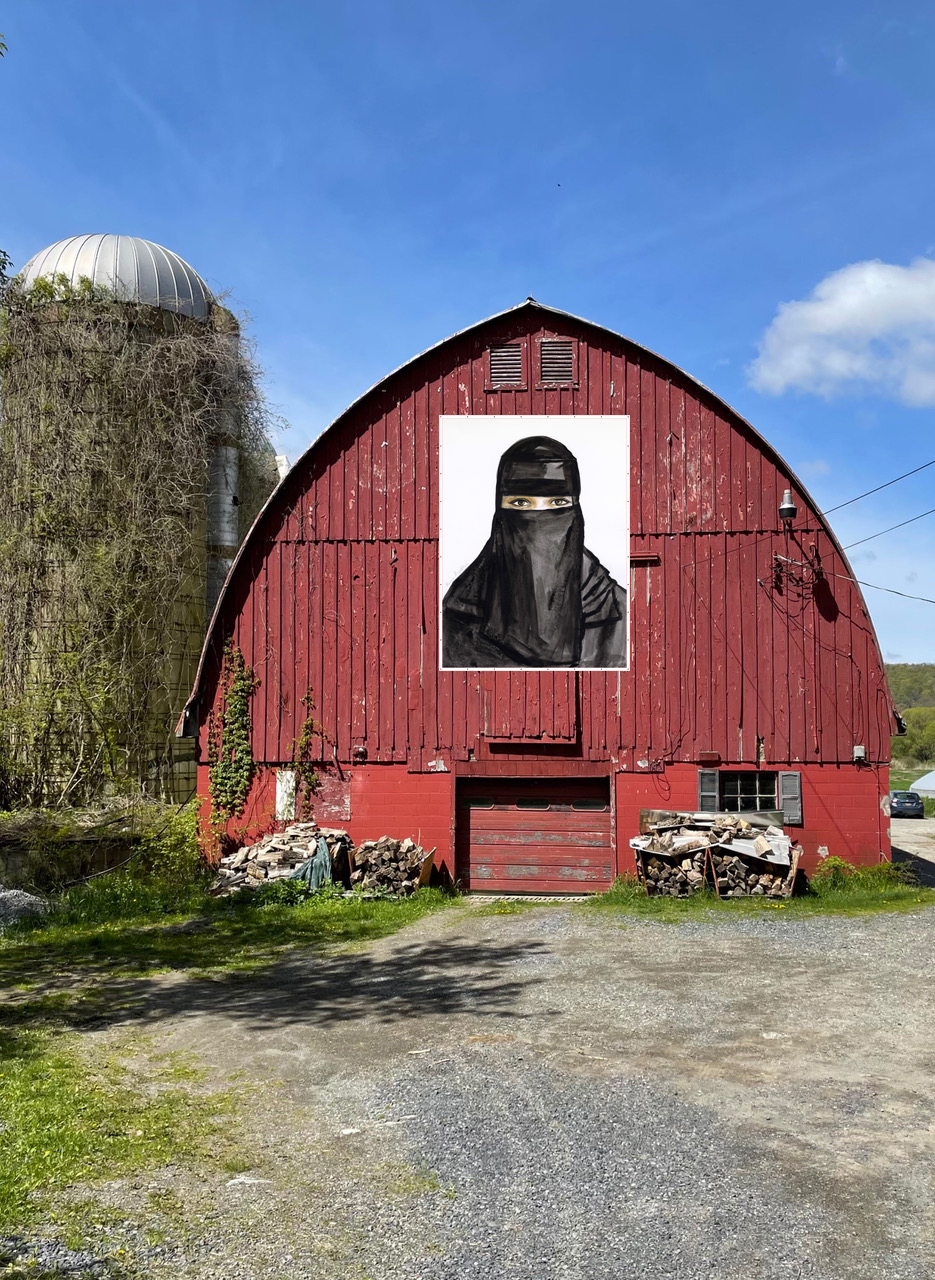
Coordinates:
<point>336,593</point>
<point>560,847</point>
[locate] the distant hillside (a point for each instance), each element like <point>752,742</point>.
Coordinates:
<point>912,683</point>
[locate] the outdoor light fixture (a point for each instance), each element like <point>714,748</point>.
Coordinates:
<point>787,508</point>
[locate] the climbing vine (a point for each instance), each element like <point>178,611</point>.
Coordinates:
<point>305,756</point>
<point>231,766</point>
<point>108,416</point>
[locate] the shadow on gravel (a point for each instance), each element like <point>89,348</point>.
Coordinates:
<point>443,977</point>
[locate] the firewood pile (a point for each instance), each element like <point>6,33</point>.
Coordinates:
<point>398,865</point>
<point>678,854</point>
<point>384,865</point>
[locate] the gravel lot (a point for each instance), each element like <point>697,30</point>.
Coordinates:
<point>566,1093</point>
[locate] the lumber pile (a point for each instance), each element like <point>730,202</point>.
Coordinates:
<point>678,854</point>
<point>385,865</point>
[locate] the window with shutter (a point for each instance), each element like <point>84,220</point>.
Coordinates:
<point>556,362</point>
<point>506,365</point>
<point>790,798</point>
<point>707,790</point>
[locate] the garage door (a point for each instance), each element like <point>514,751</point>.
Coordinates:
<point>546,836</point>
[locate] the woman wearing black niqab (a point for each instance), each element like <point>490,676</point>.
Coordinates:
<point>535,596</point>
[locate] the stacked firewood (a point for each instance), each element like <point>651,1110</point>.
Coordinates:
<point>735,877</point>
<point>398,865</point>
<point>669,876</point>
<point>679,853</point>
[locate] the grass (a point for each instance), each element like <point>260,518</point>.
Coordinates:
<point>125,931</point>
<point>840,891</point>
<point>73,1115</point>
<point>73,1112</point>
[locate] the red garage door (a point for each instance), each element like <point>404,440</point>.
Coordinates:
<point>543,836</point>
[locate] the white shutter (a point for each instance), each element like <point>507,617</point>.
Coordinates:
<point>790,798</point>
<point>708,795</point>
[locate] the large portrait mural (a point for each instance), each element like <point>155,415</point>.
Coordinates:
<point>535,541</point>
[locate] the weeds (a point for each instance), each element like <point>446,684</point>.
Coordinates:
<point>72,1115</point>
<point>836,888</point>
<point>70,1112</point>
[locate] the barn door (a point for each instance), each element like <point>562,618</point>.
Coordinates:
<point>534,836</point>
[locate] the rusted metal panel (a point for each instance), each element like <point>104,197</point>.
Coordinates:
<point>336,594</point>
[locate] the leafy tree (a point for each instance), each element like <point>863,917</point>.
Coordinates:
<point>912,684</point>
<point>919,742</point>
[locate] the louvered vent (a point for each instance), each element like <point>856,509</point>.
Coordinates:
<point>557,362</point>
<point>506,365</point>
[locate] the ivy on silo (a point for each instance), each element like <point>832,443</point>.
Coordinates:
<point>109,411</point>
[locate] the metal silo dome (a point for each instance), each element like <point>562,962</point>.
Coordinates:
<point>136,270</point>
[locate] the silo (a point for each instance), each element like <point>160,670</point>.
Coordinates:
<point>130,413</point>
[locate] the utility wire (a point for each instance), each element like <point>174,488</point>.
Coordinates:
<point>901,525</point>
<point>905,595</point>
<point>890,590</point>
<point>878,488</point>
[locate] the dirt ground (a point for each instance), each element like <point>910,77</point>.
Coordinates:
<point>562,1092</point>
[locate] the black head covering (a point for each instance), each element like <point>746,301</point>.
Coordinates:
<point>534,558</point>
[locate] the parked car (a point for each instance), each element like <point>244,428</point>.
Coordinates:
<point>906,804</point>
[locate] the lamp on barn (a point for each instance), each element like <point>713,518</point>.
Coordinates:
<point>787,508</point>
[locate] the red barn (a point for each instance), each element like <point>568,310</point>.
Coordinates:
<point>754,678</point>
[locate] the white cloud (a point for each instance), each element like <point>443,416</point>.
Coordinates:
<point>869,326</point>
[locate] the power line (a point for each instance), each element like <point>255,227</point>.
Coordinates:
<point>901,525</point>
<point>890,590</point>
<point>905,595</point>
<point>878,488</point>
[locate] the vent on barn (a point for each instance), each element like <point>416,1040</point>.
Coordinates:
<point>506,365</point>
<point>556,361</point>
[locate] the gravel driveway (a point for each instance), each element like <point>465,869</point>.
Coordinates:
<point>566,1093</point>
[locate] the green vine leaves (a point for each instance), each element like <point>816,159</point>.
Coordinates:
<point>231,766</point>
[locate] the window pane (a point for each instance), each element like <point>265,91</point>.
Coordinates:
<point>478,802</point>
<point>747,792</point>
<point>591,802</point>
<point>532,804</point>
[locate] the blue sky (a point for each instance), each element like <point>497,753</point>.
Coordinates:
<point>367,178</point>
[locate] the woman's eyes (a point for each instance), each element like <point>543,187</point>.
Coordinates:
<point>525,504</point>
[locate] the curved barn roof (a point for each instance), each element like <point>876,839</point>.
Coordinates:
<point>136,270</point>
<point>300,468</point>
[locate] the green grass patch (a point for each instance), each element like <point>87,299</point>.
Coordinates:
<point>72,1114</point>
<point>854,891</point>
<point>119,930</point>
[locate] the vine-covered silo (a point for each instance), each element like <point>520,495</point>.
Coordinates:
<point>133,455</point>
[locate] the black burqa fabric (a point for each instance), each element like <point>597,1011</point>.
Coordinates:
<point>529,597</point>
<point>534,557</point>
